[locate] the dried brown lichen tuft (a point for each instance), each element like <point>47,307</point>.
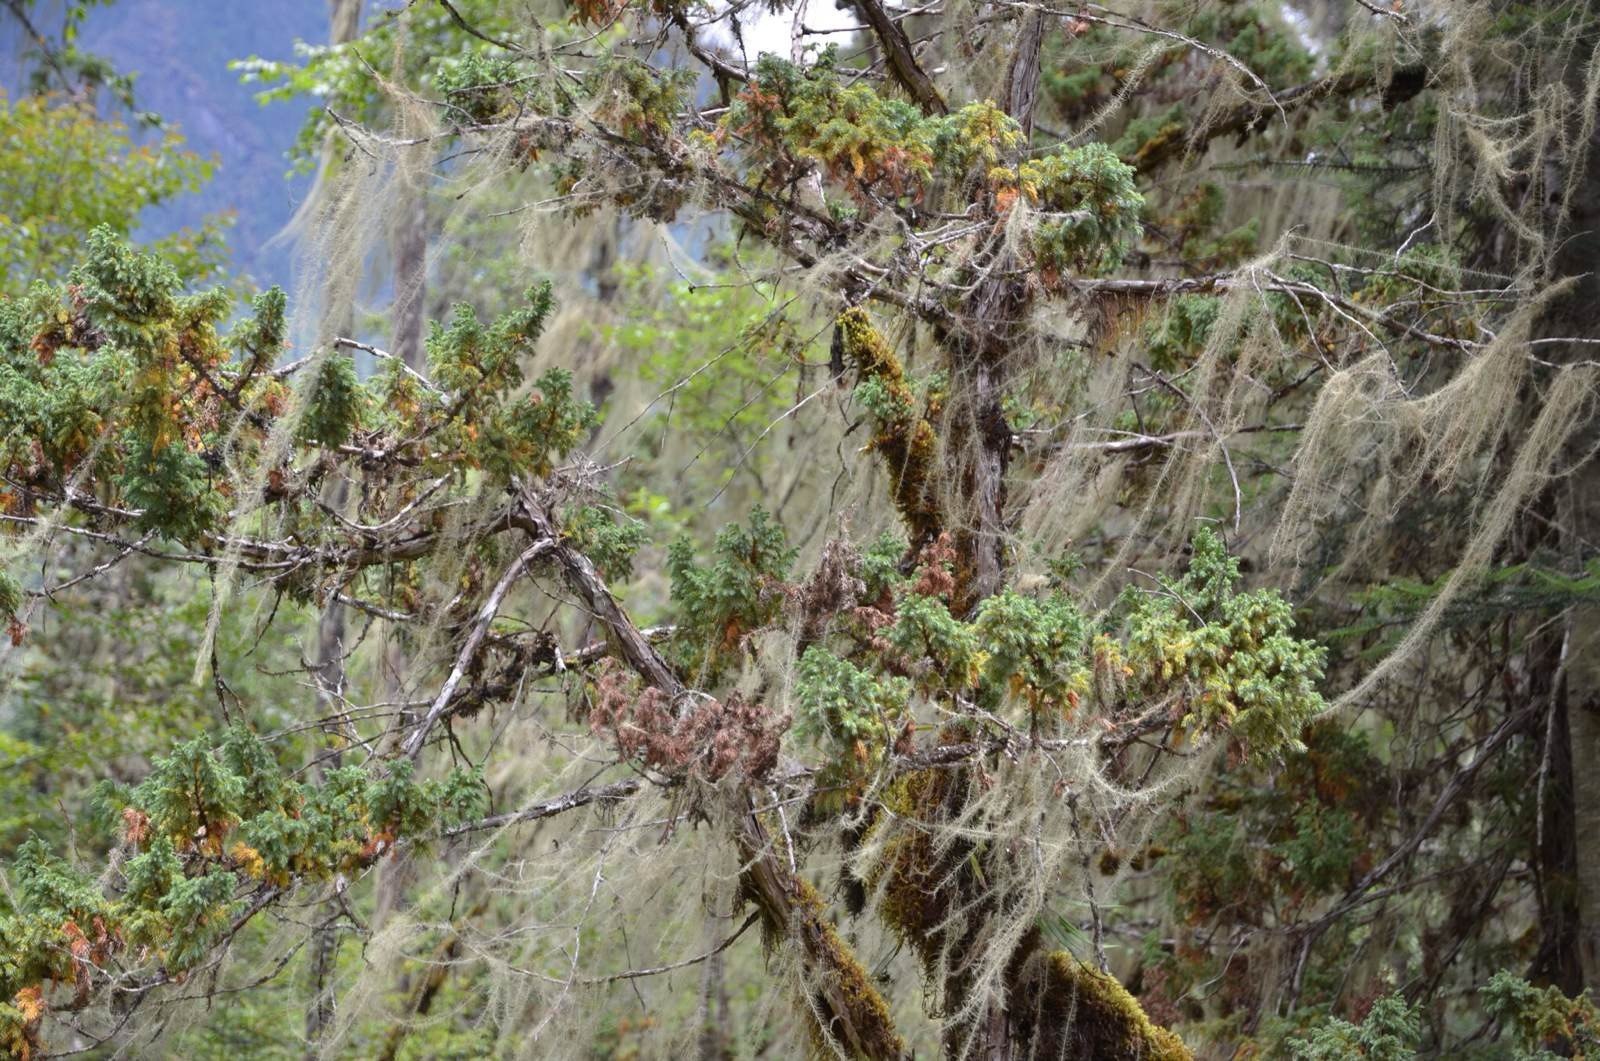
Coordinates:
<point>717,738</point>
<point>936,567</point>
<point>835,586</point>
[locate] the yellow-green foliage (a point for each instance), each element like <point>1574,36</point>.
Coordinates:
<point>475,86</point>
<point>880,148</point>
<point>978,141</point>
<point>1091,207</point>
<point>1032,649</point>
<point>1232,656</point>
<point>840,702</point>
<point>636,98</point>
<point>199,831</point>
<point>122,382</point>
<point>874,145</point>
<point>1544,1022</point>
<point>65,170</point>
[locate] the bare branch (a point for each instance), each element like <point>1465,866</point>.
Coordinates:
<point>469,650</point>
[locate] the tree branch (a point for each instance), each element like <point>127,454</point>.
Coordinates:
<point>582,578</point>
<point>1247,117</point>
<point>549,808</point>
<point>469,650</point>
<point>902,61</point>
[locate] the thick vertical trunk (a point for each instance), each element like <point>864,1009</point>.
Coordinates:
<point>992,436</point>
<point>1577,236</point>
<point>976,436</point>
<point>409,243</point>
<point>1583,735</point>
<point>408,248</point>
<point>716,1023</point>
<point>1557,961</point>
<point>980,361</point>
<point>980,440</point>
<point>320,1013</point>
<point>344,20</point>
<point>1022,76</point>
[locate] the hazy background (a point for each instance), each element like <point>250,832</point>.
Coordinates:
<point>180,50</point>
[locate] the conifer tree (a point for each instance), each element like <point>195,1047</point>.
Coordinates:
<point>1151,623</point>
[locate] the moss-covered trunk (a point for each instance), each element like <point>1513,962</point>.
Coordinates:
<point>843,1010</point>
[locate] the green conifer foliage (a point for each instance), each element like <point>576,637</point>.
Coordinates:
<point>1312,281</point>
<point>1232,656</point>
<point>740,592</point>
<point>206,835</point>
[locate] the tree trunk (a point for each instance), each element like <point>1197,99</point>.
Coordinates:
<point>409,243</point>
<point>716,1023</point>
<point>847,1013</point>
<point>1583,735</point>
<point>1022,76</point>
<point>408,246</point>
<point>344,20</point>
<point>1557,961</point>
<point>1573,316</point>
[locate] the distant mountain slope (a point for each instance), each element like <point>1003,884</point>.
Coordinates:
<point>181,50</point>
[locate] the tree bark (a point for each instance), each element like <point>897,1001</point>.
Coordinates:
<point>902,61</point>
<point>1577,259</point>
<point>409,243</point>
<point>1558,961</point>
<point>344,20</point>
<point>1583,737</point>
<point>1022,76</point>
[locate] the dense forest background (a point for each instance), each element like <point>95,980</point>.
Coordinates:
<point>985,529</point>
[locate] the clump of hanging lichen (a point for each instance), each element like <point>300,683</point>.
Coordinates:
<point>910,873</point>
